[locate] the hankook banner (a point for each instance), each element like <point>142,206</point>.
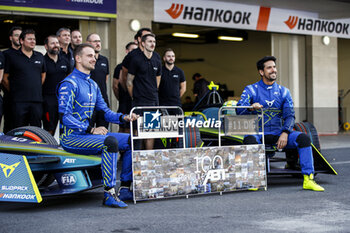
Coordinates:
<point>240,16</point>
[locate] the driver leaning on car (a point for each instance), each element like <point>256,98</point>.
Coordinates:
<point>78,97</point>
<point>279,118</point>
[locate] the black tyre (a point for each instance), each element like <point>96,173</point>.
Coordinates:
<point>39,135</point>
<point>310,130</point>
<point>34,133</point>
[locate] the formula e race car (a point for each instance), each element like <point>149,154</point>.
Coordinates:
<point>33,165</point>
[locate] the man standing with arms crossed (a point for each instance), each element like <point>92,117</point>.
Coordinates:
<point>144,76</point>
<point>277,103</point>
<point>100,76</point>
<point>78,97</point>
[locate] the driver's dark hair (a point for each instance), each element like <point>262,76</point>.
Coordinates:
<point>260,63</point>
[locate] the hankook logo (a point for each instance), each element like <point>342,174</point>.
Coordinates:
<point>208,14</point>
<point>175,10</point>
<point>292,21</point>
<point>317,25</point>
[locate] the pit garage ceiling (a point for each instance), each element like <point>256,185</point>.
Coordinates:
<point>327,9</point>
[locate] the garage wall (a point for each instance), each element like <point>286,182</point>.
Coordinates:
<point>232,63</point>
<point>344,73</point>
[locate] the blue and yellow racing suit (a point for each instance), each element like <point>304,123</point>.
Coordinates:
<point>78,96</point>
<point>279,117</point>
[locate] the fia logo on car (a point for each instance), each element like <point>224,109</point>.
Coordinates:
<point>69,160</point>
<point>68,179</point>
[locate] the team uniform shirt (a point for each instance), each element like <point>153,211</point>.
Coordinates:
<point>145,82</point>
<point>135,52</point>
<point>129,56</point>
<point>69,56</point>
<point>55,73</point>
<point>99,75</point>
<point>169,87</point>
<point>25,75</point>
<point>78,97</point>
<point>124,97</point>
<point>277,104</point>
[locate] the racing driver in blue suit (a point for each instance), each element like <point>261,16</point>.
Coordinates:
<point>279,117</point>
<point>78,96</point>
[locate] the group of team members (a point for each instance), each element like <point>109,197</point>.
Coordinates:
<point>30,79</point>
<point>68,84</point>
<point>76,73</point>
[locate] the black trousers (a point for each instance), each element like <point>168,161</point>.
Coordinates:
<point>27,113</point>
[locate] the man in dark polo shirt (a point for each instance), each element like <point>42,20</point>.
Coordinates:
<point>125,102</point>
<point>100,76</point>
<point>14,34</point>
<point>24,75</point>
<point>128,57</point>
<point>173,83</point>
<point>144,76</point>
<point>64,38</point>
<point>57,68</point>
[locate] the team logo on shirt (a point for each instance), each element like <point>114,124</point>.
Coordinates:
<point>103,64</point>
<point>175,76</point>
<point>155,68</point>
<point>37,62</point>
<point>63,67</point>
<point>269,103</point>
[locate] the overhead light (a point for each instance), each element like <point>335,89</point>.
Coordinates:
<point>8,21</point>
<point>135,25</point>
<point>230,38</point>
<point>185,35</point>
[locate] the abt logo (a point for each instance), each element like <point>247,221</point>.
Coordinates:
<point>292,21</point>
<point>175,10</point>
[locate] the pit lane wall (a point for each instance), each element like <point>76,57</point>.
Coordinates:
<point>192,171</point>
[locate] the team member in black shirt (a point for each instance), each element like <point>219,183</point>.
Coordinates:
<point>126,61</point>
<point>144,76</point>
<point>57,69</point>
<point>14,34</point>
<point>25,72</point>
<point>64,38</point>
<point>173,83</point>
<point>125,102</point>
<point>100,76</point>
